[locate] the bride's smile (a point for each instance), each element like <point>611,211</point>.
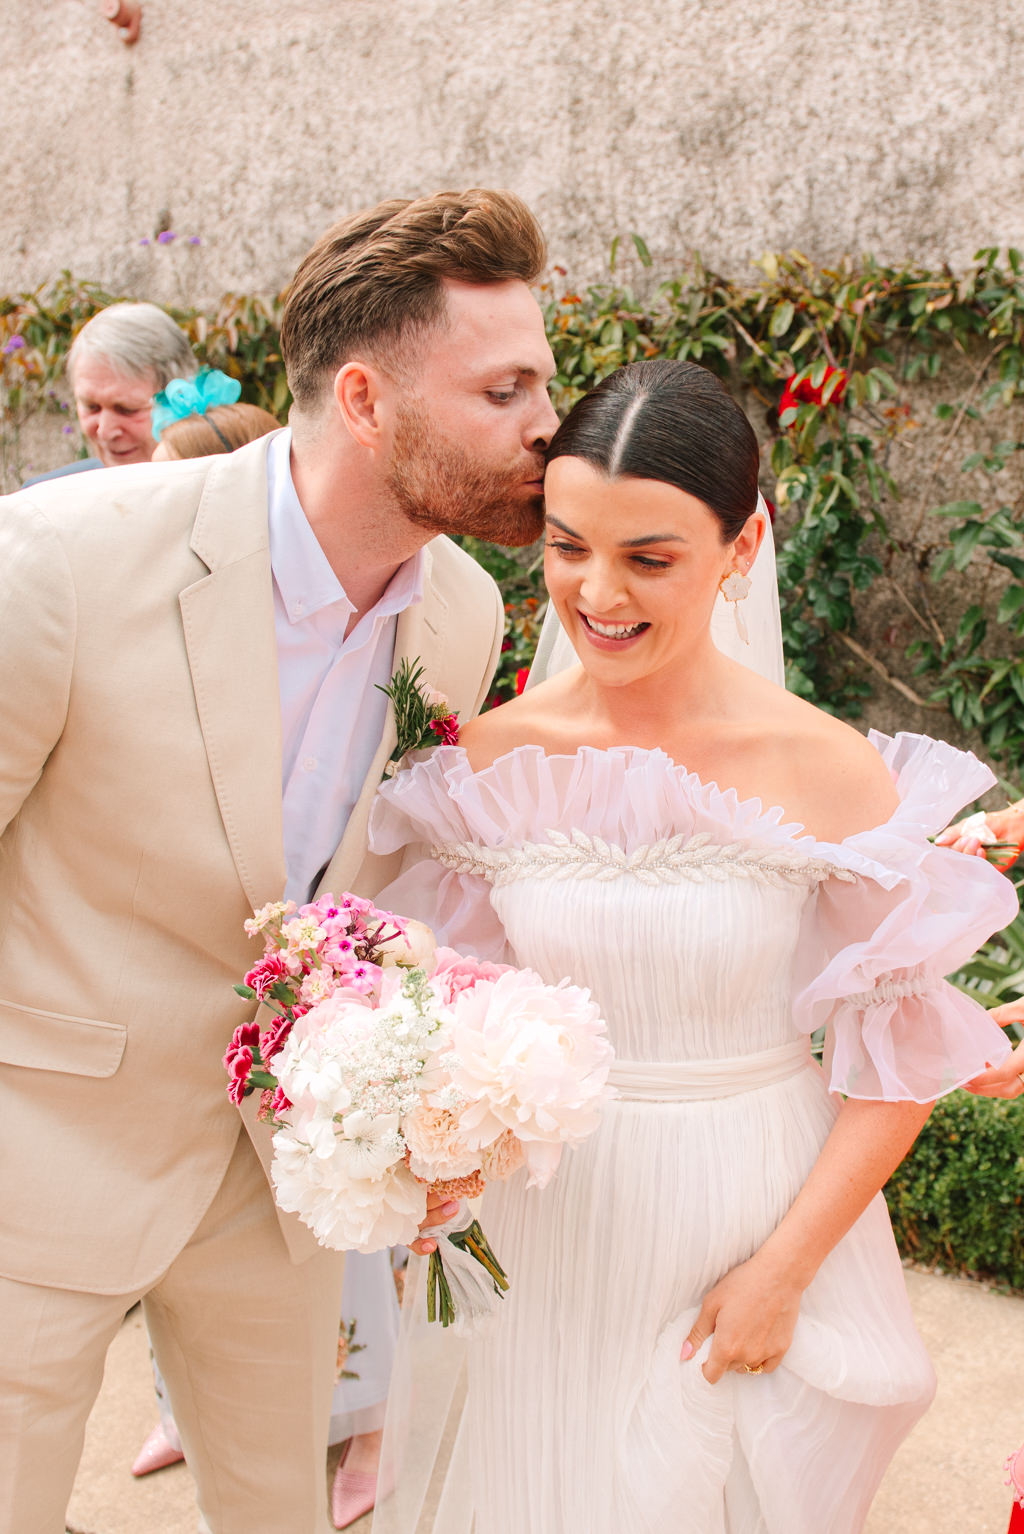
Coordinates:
<point>633,567</point>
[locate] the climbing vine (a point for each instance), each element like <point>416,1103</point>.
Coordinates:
<point>839,368</point>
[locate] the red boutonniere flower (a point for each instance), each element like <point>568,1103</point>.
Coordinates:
<point>423,716</point>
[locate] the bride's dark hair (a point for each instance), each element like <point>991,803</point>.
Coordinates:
<point>671,421</point>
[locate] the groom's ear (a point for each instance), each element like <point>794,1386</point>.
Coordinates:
<point>362,393</point>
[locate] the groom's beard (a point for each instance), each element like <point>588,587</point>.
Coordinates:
<point>438,484</point>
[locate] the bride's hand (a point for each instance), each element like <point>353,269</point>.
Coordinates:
<point>1006,1080</point>
<point>752,1312</point>
<point>439,1209</point>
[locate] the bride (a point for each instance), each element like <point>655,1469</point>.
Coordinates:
<point>707,1329</point>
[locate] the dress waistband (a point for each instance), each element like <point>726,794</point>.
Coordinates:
<point>683,1081</point>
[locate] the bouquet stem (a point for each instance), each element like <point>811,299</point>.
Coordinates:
<point>441,1304</point>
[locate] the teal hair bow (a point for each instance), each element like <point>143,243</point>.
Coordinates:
<point>192,396</point>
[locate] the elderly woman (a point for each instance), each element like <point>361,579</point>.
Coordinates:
<point>119,360</point>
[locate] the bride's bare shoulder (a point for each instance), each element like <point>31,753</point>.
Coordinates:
<point>841,781</point>
<point>526,720</point>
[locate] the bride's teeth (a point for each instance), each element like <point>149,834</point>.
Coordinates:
<point>614,630</point>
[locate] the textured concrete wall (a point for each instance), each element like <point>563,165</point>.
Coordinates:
<point>729,126</point>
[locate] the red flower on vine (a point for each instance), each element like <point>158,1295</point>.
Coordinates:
<point>804,392</point>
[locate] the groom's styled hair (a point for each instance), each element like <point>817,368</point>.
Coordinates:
<point>373,282</point>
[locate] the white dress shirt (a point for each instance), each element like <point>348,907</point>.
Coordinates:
<point>332,715</point>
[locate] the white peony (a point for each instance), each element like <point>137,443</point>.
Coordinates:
<point>346,1214</point>
<point>311,1077</point>
<point>533,1058</point>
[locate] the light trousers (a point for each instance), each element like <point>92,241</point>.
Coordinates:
<point>246,1341</point>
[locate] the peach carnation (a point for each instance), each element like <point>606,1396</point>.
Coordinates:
<point>436,1145</point>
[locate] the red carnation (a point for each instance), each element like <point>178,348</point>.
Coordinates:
<point>238,1058</point>
<point>272,1104</point>
<point>522,675</point>
<point>804,392</point>
<point>264,974</point>
<point>273,1040</point>
<point>238,1068</point>
<point>245,1038</point>
<point>447,728</point>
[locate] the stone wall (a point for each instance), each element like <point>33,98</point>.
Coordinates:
<point>885,125</point>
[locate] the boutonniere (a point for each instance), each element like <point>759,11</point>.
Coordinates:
<point>423,716</point>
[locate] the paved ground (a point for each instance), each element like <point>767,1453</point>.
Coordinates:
<point>947,1478</point>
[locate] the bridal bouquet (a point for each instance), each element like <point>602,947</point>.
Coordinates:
<point>390,1066</point>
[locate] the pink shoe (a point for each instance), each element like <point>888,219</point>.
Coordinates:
<point>354,1492</point>
<point>156,1453</point>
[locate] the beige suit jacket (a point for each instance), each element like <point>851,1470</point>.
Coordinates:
<point>140,821</point>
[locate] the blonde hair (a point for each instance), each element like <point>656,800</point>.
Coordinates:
<point>220,430</point>
<point>374,281</point>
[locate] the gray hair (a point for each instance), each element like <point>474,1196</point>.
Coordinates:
<point>136,340</point>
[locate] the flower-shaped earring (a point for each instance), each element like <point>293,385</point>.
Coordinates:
<point>735,588</point>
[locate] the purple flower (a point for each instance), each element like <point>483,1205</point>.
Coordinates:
<point>144,241</point>
<point>166,236</point>
<point>194,239</point>
<point>14,344</point>
<point>67,430</point>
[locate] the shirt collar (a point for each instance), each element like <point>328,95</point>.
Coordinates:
<point>301,568</point>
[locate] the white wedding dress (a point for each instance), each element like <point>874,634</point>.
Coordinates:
<point>715,939</point>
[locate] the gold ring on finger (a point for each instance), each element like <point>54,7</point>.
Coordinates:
<point>759,1369</point>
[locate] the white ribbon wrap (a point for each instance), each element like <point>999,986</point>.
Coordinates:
<point>474,1296</point>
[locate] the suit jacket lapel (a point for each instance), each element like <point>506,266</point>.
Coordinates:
<point>228,619</point>
<point>420,636</point>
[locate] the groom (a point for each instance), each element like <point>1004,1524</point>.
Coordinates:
<point>190,726</point>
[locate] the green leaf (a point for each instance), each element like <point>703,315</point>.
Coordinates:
<point>642,251</point>
<point>782,318</point>
<point>958,509</point>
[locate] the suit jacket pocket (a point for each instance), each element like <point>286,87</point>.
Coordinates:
<point>50,1041</point>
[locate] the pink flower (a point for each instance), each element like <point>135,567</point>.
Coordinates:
<point>363,978</point>
<point>317,986</point>
<point>456,972</point>
<point>339,951</point>
<point>279,1104</point>
<point>328,913</point>
<point>263,975</point>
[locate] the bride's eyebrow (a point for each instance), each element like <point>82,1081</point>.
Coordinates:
<point>563,527</point>
<point>627,543</point>
<point>639,543</point>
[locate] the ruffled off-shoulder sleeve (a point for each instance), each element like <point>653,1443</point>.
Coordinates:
<point>875,951</point>
<point>419,809</point>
